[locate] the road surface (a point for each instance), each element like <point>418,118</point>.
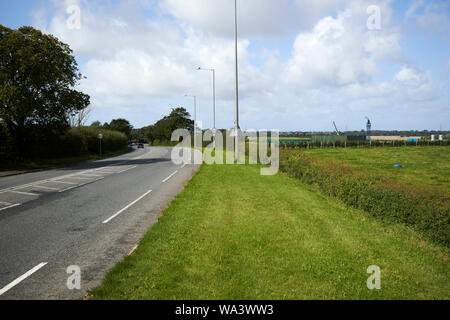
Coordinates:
<point>90,215</point>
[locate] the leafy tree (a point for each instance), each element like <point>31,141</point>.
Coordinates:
<point>121,125</point>
<point>37,77</point>
<point>163,129</point>
<point>96,124</point>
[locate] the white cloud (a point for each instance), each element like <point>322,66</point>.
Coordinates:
<point>260,18</point>
<point>139,64</point>
<point>431,16</point>
<point>340,51</point>
<point>414,84</point>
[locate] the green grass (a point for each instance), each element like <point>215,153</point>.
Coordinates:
<point>423,167</point>
<point>233,234</point>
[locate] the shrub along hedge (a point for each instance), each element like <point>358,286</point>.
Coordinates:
<point>48,145</point>
<point>425,210</point>
<point>84,140</point>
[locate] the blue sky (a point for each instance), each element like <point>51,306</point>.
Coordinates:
<point>303,64</point>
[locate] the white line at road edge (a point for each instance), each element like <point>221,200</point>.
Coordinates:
<point>167,179</point>
<point>21,278</point>
<point>134,202</point>
<point>11,206</point>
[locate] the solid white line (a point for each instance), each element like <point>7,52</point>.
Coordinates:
<point>128,206</point>
<point>184,165</point>
<point>25,193</point>
<point>11,206</point>
<point>167,179</point>
<point>21,278</point>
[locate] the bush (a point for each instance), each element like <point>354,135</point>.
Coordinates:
<point>426,211</point>
<point>84,140</point>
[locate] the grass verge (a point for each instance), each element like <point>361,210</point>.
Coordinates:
<point>233,234</point>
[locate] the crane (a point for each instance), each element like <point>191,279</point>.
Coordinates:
<point>335,127</point>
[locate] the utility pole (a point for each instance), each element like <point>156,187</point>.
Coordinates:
<point>236,123</point>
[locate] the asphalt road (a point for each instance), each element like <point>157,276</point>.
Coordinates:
<point>90,215</point>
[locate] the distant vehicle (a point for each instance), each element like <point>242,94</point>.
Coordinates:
<point>140,146</point>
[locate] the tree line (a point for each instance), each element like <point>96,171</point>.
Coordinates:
<point>38,100</point>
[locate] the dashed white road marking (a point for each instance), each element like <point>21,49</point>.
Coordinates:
<point>21,278</point>
<point>80,185</point>
<point>90,175</point>
<point>127,169</point>
<point>128,206</point>
<point>10,206</point>
<point>44,187</point>
<point>25,193</point>
<point>142,156</point>
<point>79,178</point>
<point>167,179</point>
<point>63,182</point>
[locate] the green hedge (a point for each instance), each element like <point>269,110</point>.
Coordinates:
<point>425,210</point>
<point>75,142</point>
<point>84,140</point>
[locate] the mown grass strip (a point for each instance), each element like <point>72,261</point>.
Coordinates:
<point>233,234</point>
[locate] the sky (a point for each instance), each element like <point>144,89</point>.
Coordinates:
<point>302,63</point>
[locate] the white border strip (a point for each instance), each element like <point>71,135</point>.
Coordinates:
<point>21,278</point>
<point>11,206</point>
<point>128,206</point>
<point>167,179</point>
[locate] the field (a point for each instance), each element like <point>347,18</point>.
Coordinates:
<point>234,234</point>
<point>422,167</point>
<point>416,195</point>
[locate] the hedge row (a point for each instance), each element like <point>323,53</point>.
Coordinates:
<point>84,140</point>
<point>75,142</point>
<point>426,211</point>
<point>363,144</point>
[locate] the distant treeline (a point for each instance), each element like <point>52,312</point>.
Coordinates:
<point>403,133</point>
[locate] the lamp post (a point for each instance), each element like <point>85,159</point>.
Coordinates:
<point>195,111</point>
<point>214,93</point>
<point>236,123</point>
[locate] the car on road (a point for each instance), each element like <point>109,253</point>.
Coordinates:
<point>140,146</point>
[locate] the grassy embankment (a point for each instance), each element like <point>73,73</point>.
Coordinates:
<point>233,234</point>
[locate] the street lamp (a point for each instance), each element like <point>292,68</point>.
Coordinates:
<point>236,123</point>
<point>195,111</point>
<point>214,93</point>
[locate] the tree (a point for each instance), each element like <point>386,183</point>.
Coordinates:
<point>79,119</point>
<point>178,119</point>
<point>37,77</point>
<point>121,125</point>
